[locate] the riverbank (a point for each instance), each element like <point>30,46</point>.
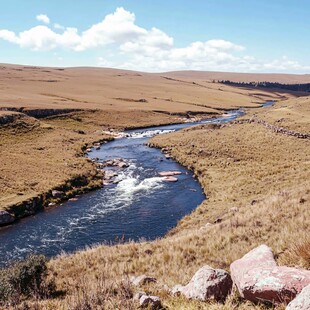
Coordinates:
<point>257,189</point>
<point>44,163</point>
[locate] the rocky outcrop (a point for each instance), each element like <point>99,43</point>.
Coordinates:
<point>259,279</point>
<point>29,205</point>
<point>9,118</point>
<point>207,284</point>
<point>26,207</point>
<point>302,301</point>
<point>40,113</point>
<point>6,218</point>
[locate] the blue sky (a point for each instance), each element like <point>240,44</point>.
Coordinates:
<point>217,35</point>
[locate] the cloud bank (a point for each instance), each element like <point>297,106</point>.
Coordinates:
<point>138,48</point>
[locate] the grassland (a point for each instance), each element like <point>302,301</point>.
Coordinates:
<point>269,189</point>
<point>256,182</point>
<point>38,155</point>
<point>121,90</point>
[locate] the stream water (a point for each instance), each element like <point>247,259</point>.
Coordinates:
<point>140,205</point>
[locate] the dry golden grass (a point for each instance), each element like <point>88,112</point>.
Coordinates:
<point>236,165</point>
<point>293,114</point>
<point>257,182</point>
<point>111,89</point>
<point>88,275</point>
<point>37,156</point>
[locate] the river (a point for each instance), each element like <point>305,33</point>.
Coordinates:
<point>140,206</point>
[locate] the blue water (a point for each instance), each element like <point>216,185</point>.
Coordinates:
<point>268,103</point>
<point>141,205</point>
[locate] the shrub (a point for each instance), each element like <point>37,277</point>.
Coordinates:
<point>24,279</point>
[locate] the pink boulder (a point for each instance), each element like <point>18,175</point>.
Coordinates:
<point>208,284</point>
<point>169,173</point>
<point>258,278</point>
<point>302,301</point>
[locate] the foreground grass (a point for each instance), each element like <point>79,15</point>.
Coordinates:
<point>97,278</point>
<point>258,189</point>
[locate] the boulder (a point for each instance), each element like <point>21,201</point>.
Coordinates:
<point>123,165</point>
<point>150,302</point>
<point>208,284</point>
<point>109,174</point>
<point>6,218</point>
<point>170,179</point>
<point>259,279</point>
<point>302,301</point>
<point>141,280</point>
<point>169,173</point>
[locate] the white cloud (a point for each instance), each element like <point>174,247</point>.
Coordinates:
<point>43,18</point>
<point>58,26</point>
<point>118,27</point>
<point>8,36</point>
<point>138,48</point>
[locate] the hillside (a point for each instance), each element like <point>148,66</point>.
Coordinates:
<point>112,89</point>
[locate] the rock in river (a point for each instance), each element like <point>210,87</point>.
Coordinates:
<point>169,173</point>
<point>170,179</point>
<point>6,218</point>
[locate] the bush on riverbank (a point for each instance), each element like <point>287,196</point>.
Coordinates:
<point>27,278</point>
